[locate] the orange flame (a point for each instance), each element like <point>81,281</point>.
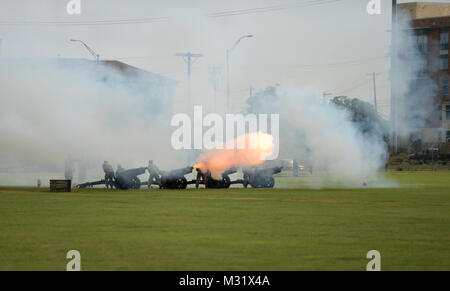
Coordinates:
<point>218,160</point>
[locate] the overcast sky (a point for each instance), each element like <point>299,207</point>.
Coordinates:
<point>321,45</point>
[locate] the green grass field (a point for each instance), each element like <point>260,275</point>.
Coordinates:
<point>234,229</point>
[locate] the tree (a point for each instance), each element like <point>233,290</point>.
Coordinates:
<point>264,101</point>
<point>364,115</point>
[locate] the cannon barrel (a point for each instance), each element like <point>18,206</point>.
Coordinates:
<point>175,179</point>
<point>268,172</point>
<point>128,179</point>
<point>90,184</point>
<point>178,173</point>
<point>229,171</point>
<point>131,173</point>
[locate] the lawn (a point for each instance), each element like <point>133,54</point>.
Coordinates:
<point>232,229</point>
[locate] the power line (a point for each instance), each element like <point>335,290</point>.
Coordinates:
<point>352,88</point>
<point>285,67</point>
<point>227,13</point>
<point>274,8</point>
<point>142,57</point>
<point>307,66</point>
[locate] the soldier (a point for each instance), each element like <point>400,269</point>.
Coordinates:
<point>119,169</point>
<point>200,177</point>
<point>246,179</point>
<point>247,173</point>
<point>109,175</point>
<point>154,174</point>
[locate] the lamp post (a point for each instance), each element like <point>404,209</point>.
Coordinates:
<point>95,55</point>
<point>228,67</point>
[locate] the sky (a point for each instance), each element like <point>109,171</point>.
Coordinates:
<point>316,46</point>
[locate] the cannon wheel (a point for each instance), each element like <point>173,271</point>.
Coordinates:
<point>136,183</point>
<point>266,182</point>
<point>227,181</point>
<point>182,183</point>
<point>271,182</point>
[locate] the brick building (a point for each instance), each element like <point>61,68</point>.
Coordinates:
<point>427,25</point>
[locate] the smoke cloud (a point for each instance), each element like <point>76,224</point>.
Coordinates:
<point>50,109</point>
<point>416,107</point>
<point>323,138</point>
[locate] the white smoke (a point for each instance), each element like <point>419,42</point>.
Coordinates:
<point>323,137</point>
<point>52,108</point>
<point>416,107</point>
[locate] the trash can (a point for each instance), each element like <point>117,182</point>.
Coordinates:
<point>60,185</point>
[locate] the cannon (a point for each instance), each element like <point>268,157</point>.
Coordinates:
<point>174,179</point>
<point>260,178</point>
<point>90,184</point>
<point>225,182</point>
<point>126,179</point>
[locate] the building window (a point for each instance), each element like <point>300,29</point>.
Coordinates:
<point>447,136</point>
<point>447,112</point>
<point>443,62</point>
<point>439,136</point>
<point>420,40</point>
<point>439,112</point>
<point>445,87</point>
<point>444,39</point>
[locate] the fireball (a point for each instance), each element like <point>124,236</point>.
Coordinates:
<point>258,146</point>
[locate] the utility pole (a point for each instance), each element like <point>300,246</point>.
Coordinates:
<point>214,80</point>
<point>187,57</point>
<point>324,97</point>
<point>393,77</point>
<point>374,76</point>
<point>228,81</point>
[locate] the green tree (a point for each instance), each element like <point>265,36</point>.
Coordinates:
<point>364,115</point>
<point>264,101</point>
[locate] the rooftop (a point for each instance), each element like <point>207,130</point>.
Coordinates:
<point>423,10</point>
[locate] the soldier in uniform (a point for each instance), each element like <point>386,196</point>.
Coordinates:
<point>154,174</point>
<point>247,174</point>
<point>200,177</point>
<point>119,169</point>
<point>109,175</point>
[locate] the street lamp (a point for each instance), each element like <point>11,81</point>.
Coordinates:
<point>228,67</point>
<point>95,55</point>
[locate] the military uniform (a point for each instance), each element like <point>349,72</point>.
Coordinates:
<point>154,174</point>
<point>200,177</point>
<point>247,174</point>
<point>119,169</point>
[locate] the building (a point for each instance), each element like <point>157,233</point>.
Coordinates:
<point>424,52</point>
<point>153,90</point>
